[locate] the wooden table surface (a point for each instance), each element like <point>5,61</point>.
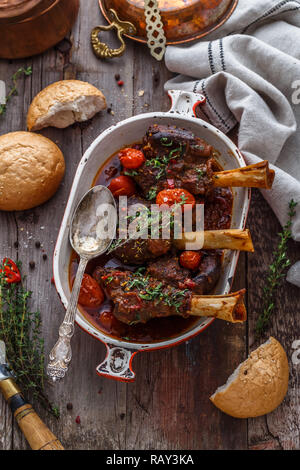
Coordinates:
<point>168,406</point>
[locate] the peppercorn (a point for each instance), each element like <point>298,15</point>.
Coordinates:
<point>108,110</point>
<point>45,256</point>
<point>38,244</point>
<point>16,244</point>
<point>32,264</point>
<point>117,76</point>
<point>69,406</point>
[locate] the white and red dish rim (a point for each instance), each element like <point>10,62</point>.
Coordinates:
<point>113,138</point>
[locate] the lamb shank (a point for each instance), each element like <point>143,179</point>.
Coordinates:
<point>139,298</point>
<point>178,158</point>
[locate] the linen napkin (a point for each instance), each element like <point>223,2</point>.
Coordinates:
<point>249,72</point>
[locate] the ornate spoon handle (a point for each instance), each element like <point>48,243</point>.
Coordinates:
<point>61,354</point>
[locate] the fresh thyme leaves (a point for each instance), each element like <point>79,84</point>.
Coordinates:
<point>115,244</point>
<point>108,280</point>
<point>175,298</point>
<point>20,330</point>
<point>156,163</point>
<point>183,198</point>
<point>176,152</point>
<point>275,273</point>
<point>166,142</point>
<point>140,270</point>
<point>14,90</point>
<point>152,193</point>
<point>200,172</point>
<point>130,173</point>
<point>159,293</point>
<point>152,293</point>
<point>162,162</point>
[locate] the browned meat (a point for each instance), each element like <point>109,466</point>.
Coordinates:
<point>197,179</point>
<point>218,209</point>
<point>138,298</point>
<point>160,139</point>
<point>174,155</point>
<point>169,270</point>
<point>200,282</point>
<point>138,251</point>
<point>209,272</point>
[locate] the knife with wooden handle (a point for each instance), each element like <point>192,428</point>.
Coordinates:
<point>39,437</point>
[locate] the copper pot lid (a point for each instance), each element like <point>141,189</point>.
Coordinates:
<point>13,11</point>
<point>183,20</point>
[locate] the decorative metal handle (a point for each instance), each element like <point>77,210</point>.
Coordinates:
<point>185,102</point>
<point>117,364</point>
<point>61,355</point>
<point>101,49</point>
<point>155,31</point>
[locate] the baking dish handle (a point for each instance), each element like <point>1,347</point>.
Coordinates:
<point>185,102</point>
<point>117,364</point>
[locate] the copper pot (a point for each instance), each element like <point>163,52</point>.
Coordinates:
<point>29,27</point>
<point>183,20</point>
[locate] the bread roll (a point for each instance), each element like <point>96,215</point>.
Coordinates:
<point>63,103</point>
<point>31,169</point>
<point>258,385</point>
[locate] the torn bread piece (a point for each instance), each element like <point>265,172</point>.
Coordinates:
<point>258,385</point>
<point>63,103</point>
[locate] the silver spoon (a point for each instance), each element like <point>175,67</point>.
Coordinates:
<point>92,230</point>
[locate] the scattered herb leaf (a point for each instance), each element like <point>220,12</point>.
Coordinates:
<point>275,274</point>
<point>20,329</point>
<point>14,90</point>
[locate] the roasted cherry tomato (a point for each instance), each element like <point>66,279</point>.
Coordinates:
<point>122,186</point>
<point>91,294</point>
<point>131,158</point>
<point>11,270</point>
<point>173,196</point>
<point>190,259</point>
<point>107,318</point>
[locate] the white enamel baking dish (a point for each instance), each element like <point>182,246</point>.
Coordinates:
<point>117,363</point>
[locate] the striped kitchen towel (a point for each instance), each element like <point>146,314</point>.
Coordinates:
<point>249,72</point>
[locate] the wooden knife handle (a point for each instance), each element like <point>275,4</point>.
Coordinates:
<point>39,437</point>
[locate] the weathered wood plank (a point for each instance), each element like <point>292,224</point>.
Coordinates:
<point>282,425</point>
<point>168,406</point>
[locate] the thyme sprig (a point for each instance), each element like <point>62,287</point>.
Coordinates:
<point>159,293</point>
<point>20,329</point>
<point>14,89</point>
<point>276,273</point>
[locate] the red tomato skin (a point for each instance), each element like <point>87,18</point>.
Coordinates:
<point>190,259</point>
<point>107,318</point>
<point>177,195</point>
<point>91,295</point>
<point>122,186</point>
<point>131,158</point>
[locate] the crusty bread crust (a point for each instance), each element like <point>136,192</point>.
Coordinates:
<point>68,98</point>
<point>31,169</point>
<point>258,385</point>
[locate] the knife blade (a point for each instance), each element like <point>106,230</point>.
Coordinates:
<point>36,432</point>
